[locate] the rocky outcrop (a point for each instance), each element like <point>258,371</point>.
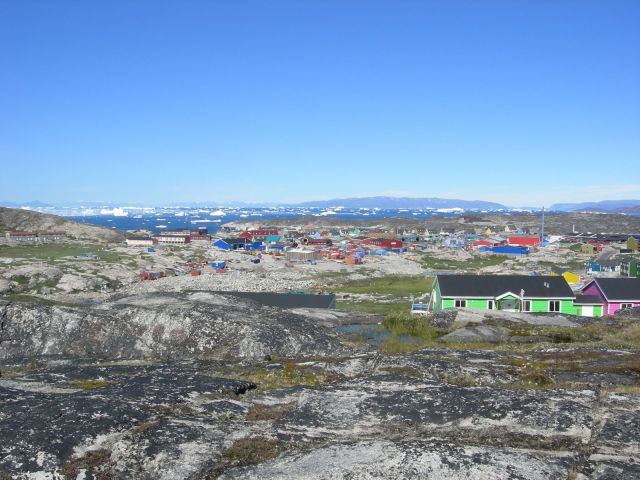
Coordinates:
<point>19,219</point>
<point>434,413</point>
<point>167,325</point>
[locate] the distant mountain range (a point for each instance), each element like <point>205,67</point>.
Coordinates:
<point>31,204</point>
<point>403,202</point>
<point>630,207</point>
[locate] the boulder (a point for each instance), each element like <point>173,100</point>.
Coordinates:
<point>481,333</point>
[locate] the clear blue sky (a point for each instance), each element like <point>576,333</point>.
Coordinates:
<point>521,102</point>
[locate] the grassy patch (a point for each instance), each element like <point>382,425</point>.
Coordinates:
<point>252,451</point>
<point>460,380</point>
<point>259,411</point>
<point>523,362</point>
<point>626,389</point>
<point>89,384</point>
<point>35,299</point>
<point>407,333</point>
<point>415,326</point>
<point>395,344</point>
<point>397,285</point>
<point>21,279</point>
<point>536,379</point>
<point>475,263</point>
<point>289,375</point>
<point>373,307</point>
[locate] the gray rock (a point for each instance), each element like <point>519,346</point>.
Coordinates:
<point>168,325</point>
<point>529,339</point>
<point>482,333</point>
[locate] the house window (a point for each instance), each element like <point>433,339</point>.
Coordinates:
<point>489,304</point>
<point>461,303</point>
<point>625,306</point>
<point>526,307</point>
<point>554,305</point>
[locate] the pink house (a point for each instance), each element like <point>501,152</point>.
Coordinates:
<point>615,293</point>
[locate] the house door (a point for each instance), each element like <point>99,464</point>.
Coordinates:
<point>587,310</point>
<point>509,305</point>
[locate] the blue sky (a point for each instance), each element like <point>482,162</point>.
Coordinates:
<point>525,103</point>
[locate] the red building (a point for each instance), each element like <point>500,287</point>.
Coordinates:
<point>257,234</point>
<point>482,243</point>
<point>521,241</point>
<point>384,242</point>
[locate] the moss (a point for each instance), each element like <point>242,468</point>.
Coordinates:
<point>373,307</point>
<point>94,464</point>
<point>538,378</point>
<point>252,451</point>
<point>474,264</point>
<point>626,389</point>
<point>291,374</point>
<point>395,344</point>
<point>21,279</point>
<point>465,380</point>
<point>404,285</point>
<point>89,384</point>
<point>403,371</point>
<point>524,363</point>
<point>260,411</point>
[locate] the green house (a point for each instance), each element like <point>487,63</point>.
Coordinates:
<point>512,293</point>
<point>630,269</point>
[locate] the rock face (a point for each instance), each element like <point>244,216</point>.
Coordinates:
<point>18,219</point>
<point>482,333</point>
<point>434,413</point>
<point>198,385</point>
<point>167,325</point>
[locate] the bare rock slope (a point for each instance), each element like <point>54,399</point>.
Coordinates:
<point>162,325</point>
<point>18,219</point>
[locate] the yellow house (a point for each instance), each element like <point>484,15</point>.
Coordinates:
<point>569,277</point>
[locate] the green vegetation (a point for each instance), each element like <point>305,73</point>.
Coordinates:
<point>407,333</point>
<point>14,297</point>
<point>88,384</point>
<point>476,263</point>
<point>415,326</point>
<point>54,251</point>
<point>397,285</point>
<point>251,451</point>
<point>259,411</point>
<point>626,389</point>
<point>373,307</point>
<point>21,279</point>
<point>394,344</point>
<point>465,380</point>
<point>289,375</point>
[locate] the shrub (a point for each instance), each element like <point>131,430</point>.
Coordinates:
<point>251,451</point>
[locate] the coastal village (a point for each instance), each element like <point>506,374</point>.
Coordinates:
<point>522,269</point>
<point>220,343</point>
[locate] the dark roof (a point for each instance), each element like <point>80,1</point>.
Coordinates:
<point>288,300</point>
<point>620,288</point>
<point>490,286</point>
<point>232,241</point>
<point>587,300</point>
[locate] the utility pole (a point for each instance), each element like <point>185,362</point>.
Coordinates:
<point>542,228</point>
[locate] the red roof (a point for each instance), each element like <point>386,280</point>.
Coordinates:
<point>482,243</point>
<point>524,241</point>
